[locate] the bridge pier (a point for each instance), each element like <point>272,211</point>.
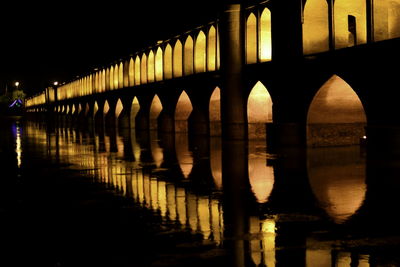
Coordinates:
<point>124,119</point>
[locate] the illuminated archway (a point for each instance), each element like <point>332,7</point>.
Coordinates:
<point>121,75</point>
<point>143,69</point>
<point>215,113</point>
<point>178,57</point>
<point>265,36</point>
<point>103,80</point>
<point>106,108</point>
<point>95,108</point>
<point>315,27</point>
<point>350,23</point>
<point>182,112</point>
<point>116,76</point>
<point>73,109</point>
<point>251,39</point>
<point>159,64</point>
<point>336,115</point>
<point>111,78</point>
<point>168,62</point>
<point>137,70</point>
<point>386,19</point>
<point>118,108</point>
<point>211,49</point>
<point>134,111</point>
<point>200,53</point>
<point>259,111</point>
<point>150,67</point>
<point>131,72</point>
<point>155,110</point>
<point>188,56</point>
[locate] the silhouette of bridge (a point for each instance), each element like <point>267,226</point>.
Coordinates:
<point>315,72</point>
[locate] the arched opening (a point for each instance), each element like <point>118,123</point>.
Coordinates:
<point>211,49</point>
<point>178,59</point>
<point>215,112</point>
<point>107,80</point>
<point>79,108</point>
<point>159,64</point>
<point>182,113</point>
<point>105,109</point>
<point>103,81</point>
<point>150,67</point>
<point>134,111</point>
<point>73,109</point>
<point>386,19</point>
<point>251,39</point>
<point>337,176</point>
<point>111,78</point>
<point>168,62</point>
<point>131,72</point>
<point>350,23</point>
<point>121,75</point>
<point>188,56</point>
<point>118,108</point>
<point>155,110</point>
<point>116,76</point>
<point>315,27</point>
<point>95,108</point>
<point>200,53</point>
<point>259,111</point>
<point>336,115</point>
<point>143,69</point>
<point>137,70</point>
<point>265,36</point>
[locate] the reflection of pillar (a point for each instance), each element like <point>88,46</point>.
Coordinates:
<point>236,189</point>
<point>233,114</point>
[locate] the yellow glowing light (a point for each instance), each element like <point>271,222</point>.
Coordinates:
<point>171,200</point>
<point>168,62</point>
<point>134,111</point>
<point>251,39</point>
<point>159,64</point>
<point>118,108</point>
<point>215,112</point>
<point>181,205</point>
<point>131,72</point>
<point>143,69</point>
<point>150,67</point>
<point>261,177</point>
<point>137,70</point>
<point>182,112</point>
<point>155,110</point>
<point>177,59</point>
<point>183,154</point>
<point>200,53</point>
<point>211,49</point>
<point>315,27</point>
<point>188,56</point>
<point>265,36</point>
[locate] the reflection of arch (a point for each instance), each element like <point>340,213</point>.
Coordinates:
<point>386,19</point>
<point>182,113</point>
<point>350,23</point>
<point>265,36</point>
<point>168,62</point>
<point>200,53</point>
<point>159,64</point>
<point>118,108</point>
<point>188,56</point>
<point>251,39</point>
<point>155,110</point>
<point>315,27</point>
<point>336,115</point>
<point>215,113</point>
<point>216,161</point>
<point>261,176</point>
<point>185,158</point>
<point>177,59</point>
<point>259,111</point>
<point>337,178</point>
<point>211,49</point>
<point>134,111</point>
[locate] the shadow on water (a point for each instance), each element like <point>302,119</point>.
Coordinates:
<point>108,197</point>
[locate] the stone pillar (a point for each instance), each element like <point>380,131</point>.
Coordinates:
<point>124,119</point>
<point>233,107</point>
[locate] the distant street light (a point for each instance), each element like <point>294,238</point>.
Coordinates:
<point>55,83</point>
<point>16,84</point>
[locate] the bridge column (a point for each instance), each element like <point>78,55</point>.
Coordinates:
<point>110,119</point>
<point>142,120</point>
<point>233,111</point>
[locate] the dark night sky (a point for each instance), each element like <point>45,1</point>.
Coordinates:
<point>43,42</point>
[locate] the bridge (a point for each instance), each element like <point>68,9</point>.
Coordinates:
<point>304,72</point>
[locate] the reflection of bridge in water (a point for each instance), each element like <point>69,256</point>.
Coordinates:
<point>316,72</point>
<point>280,211</point>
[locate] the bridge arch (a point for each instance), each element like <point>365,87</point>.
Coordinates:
<point>121,79</point>
<point>131,72</point>
<point>168,62</point>
<point>215,112</point>
<point>259,111</point>
<point>336,115</point>
<point>200,53</point>
<point>158,68</point>
<point>265,36</point>
<point>178,59</point>
<point>111,78</point>
<point>251,39</point>
<point>182,112</point>
<point>350,22</point>
<point>118,108</point>
<point>188,56</point>
<point>143,69</point>
<point>316,27</point>
<point>134,111</point>
<point>155,110</point>
<point>106,107</point>
<point>95,108</point>
<point>116,76</point>
<point>137,70</point>
<point>212,49</point>
<point>150,67</point>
